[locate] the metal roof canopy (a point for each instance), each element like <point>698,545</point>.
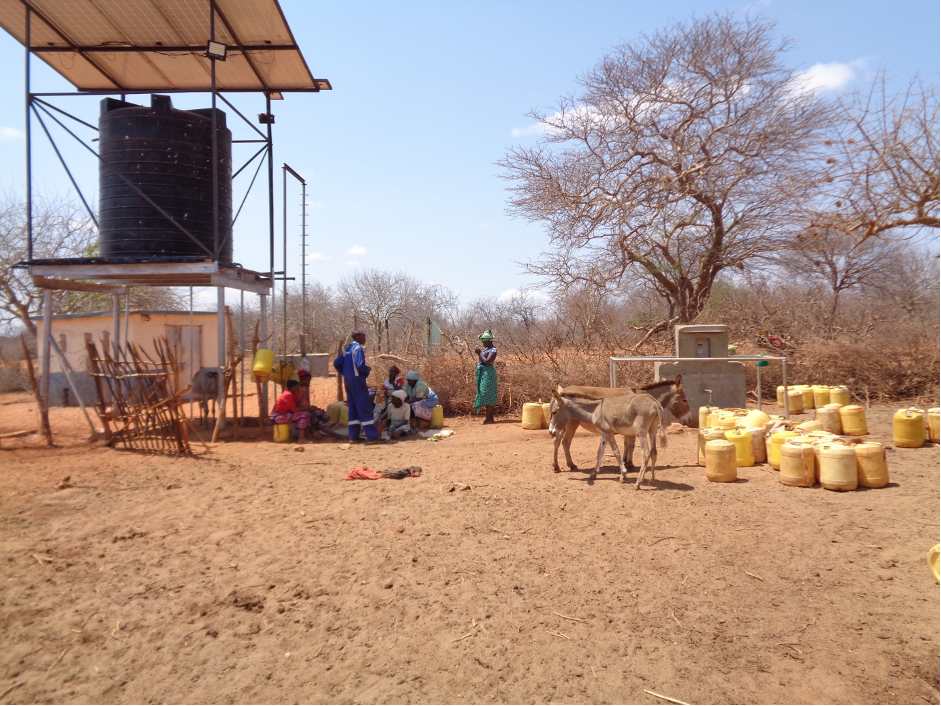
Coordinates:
<point>128,46</point>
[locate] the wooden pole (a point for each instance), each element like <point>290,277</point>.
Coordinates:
<point>262,412</point>
<point>232,364</point>
<point>339,376</point>
<point>41,404</point>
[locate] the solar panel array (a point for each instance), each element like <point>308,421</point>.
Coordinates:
<point>262,54</point>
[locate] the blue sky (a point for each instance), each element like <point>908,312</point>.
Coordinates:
<point>400,156</point>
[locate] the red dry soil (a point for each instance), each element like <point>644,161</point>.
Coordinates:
<point>253,573</point>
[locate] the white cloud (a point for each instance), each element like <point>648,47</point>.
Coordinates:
<point>318,257</point>
<point>9,133</point>
<point>533,295</point>
<point>828,77</point>
<point>356,250</point>
<point>534,130</point>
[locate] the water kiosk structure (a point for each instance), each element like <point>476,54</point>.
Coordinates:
<point>710,374</point>
<point>165,175</point>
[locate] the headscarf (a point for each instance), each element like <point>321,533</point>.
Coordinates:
<point>413,376</point>
<point>486,336</point>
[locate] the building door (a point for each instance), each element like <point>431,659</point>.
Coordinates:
<point>179,339</point>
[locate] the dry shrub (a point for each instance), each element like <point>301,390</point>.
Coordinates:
<point>900,367</point>
<point>526,378</point>
<point>13,377</point>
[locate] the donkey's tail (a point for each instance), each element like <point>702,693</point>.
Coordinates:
<point>663,429</point>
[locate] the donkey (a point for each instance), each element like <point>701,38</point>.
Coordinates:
<point>205,390</point>
<point>636,416</point>
<point>562,425</point>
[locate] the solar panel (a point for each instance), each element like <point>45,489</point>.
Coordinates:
<point>159,45</point>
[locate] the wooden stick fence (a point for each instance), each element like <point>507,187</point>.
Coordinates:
<point>139,398</point>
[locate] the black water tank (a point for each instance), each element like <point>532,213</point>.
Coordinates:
<point>167,154</point>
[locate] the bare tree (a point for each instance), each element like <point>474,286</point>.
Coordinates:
<point>885,164</point>
<point>828,259</point>
<point>58,231</point>
<point>382,299</point>
<point>686,153</point>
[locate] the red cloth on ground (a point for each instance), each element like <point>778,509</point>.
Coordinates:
<point>362,473</point>
<point>287,402</point>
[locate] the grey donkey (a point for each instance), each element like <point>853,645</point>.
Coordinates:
<point>633,415</point>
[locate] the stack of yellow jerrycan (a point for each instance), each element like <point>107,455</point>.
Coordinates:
<point>908,428</point>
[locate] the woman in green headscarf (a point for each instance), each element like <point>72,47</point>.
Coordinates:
<point>486,376</point>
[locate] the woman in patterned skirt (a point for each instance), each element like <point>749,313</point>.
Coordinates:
<point>486,376</point>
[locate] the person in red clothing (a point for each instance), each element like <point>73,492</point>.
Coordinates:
<point>290,409</point>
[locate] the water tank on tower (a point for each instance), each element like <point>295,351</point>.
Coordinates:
<point>167,154</point>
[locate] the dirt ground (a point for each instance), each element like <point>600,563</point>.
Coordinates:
<point>253,573</point>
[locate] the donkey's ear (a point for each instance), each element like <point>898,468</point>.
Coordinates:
<point>559,388</point>
<point>557,396</point>
<point>678,383</point>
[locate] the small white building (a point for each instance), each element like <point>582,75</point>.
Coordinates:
<point>139,327</point>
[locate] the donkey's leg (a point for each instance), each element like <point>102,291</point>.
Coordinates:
<point>594,471</point>
<point>567,436</point>
<point>629,450</point>
<point>645,458</point>
<point>617,455</point>
<point>653,452</point>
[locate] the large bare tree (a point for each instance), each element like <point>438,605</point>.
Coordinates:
<point>885,163</point>
<point>685,153</point>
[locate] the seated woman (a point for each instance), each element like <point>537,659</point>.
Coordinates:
<point>420,397</point>
<point>398,414</point>
<point>290,409</point>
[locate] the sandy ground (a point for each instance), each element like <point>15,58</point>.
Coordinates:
<point>253,573</point>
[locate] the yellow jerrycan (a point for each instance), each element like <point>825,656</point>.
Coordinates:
<point>821,395</point>
<point>934,425</point>
<point>532,415</point>
<point>853,420</point>
<point>261,367</point>
<point>720,461</point>
<point>774,447</point>
<point>797,465</point>
<point>872,469</point>
<point>838,468</point>
<point>908,428</point>
<point>741,439</point>
<point>795,401</point>
<point>437,417</point>
<point>708,434</point>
